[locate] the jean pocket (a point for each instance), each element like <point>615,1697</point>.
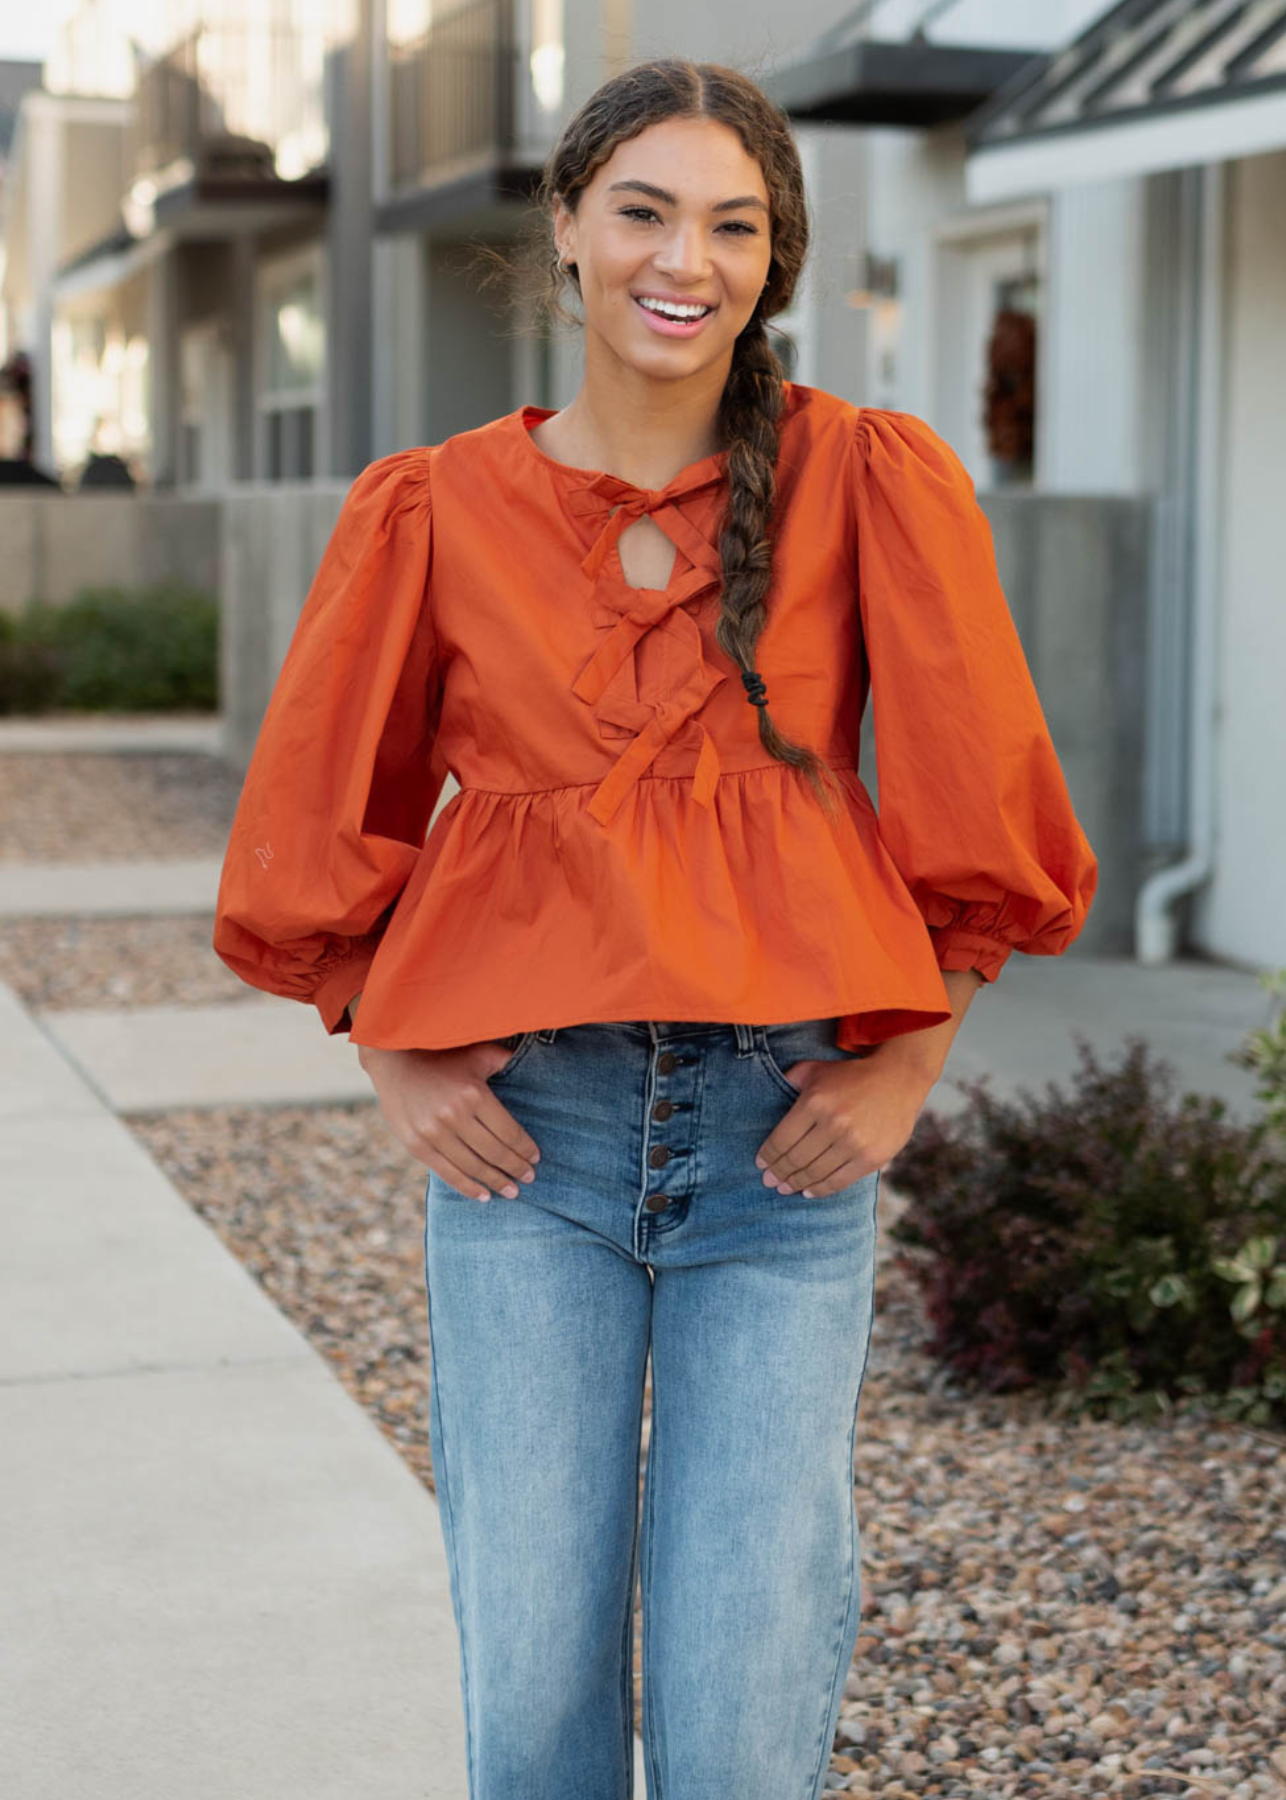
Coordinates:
<point>779,1046</point>
<point>520,1042</point>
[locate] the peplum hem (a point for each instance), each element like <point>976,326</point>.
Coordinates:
<point>522,913</point>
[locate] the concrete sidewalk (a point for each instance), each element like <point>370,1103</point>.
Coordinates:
<point>60,734</point>
<point>220,1578</point>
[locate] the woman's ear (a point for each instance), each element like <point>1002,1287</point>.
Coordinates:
<point>563,248</point>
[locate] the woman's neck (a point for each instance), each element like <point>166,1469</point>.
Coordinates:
<point>642,430</point>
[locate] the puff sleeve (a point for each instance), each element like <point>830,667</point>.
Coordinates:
<point>342,782</point>
<point>973,806</point>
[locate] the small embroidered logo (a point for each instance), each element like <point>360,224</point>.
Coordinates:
<point>264,854</point>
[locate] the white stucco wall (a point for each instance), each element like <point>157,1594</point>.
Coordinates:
<point>1242,913</point>
<point>1093,363</point>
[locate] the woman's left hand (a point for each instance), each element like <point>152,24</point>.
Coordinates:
<point>849,1120</point>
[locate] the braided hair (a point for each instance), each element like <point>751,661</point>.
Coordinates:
<point>751,404</point>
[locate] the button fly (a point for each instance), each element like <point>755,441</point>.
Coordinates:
<point>667,1062</point>
<point>658,1157</point>
<point>657,1202</point>
<point>663,1109</point>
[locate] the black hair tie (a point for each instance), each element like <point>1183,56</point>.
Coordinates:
<point>754,685</point>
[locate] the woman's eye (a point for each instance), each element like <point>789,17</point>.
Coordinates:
<point>737,227</point>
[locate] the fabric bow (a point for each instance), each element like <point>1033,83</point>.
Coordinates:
<point>642,610</point>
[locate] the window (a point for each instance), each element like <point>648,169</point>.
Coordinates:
<point>292,380</point>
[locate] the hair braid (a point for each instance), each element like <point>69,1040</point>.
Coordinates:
<point>748,421</point>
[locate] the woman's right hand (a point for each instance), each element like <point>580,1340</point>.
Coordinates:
<point>438,1103</point>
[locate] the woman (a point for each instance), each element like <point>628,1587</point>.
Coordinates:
<point>657,943</point>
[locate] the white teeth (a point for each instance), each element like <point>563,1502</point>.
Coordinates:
<point>670,311</point>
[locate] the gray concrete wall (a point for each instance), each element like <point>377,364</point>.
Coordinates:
<point>469,346</point>
<point>272,540</point>
<point>1075,570</point>
<point>53,544</point>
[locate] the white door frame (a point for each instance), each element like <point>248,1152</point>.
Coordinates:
<point>971,254</point>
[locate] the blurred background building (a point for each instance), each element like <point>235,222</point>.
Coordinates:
<point>235,245</point>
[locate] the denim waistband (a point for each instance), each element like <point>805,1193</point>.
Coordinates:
<point>655,1030</point>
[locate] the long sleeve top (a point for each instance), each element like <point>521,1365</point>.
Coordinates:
<point>622,846</point>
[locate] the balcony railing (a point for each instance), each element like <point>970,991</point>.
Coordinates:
<point>452,94</point>
<point>234,102</point>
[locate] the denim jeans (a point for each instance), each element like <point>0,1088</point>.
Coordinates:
<point>648,1226</point>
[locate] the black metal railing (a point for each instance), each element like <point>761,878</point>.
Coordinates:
<point>236,101</point>
<point>452,94</point>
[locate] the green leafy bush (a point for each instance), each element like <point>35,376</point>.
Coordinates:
<point>111,649</point>
<point>1265,1052</point>
<point>1116,1249</point>
<point>29,678</point>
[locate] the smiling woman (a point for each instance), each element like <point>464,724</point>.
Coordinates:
<point>655,944</point>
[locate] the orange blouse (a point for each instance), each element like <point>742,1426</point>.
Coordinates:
<point>622,845</point>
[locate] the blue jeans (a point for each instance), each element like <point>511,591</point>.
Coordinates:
<point>649,1226</point>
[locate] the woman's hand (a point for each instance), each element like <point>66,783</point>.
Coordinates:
<point>438,1104</point>
<point>849,1120</point>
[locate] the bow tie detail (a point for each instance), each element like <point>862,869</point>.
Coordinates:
<point>608,680</point>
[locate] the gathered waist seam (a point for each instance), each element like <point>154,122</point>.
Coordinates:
<point>567,787</point>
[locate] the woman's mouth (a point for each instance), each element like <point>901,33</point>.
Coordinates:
<point>670,317</point>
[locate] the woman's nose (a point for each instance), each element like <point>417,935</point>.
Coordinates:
<point>683,253</point>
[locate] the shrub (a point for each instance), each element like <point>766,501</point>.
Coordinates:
<point>114,650</point>
<point>29,678</point>
<point>1118,1250</point>
<point>1265,1051</point>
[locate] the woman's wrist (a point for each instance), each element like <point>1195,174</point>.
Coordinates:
<point>924,1053</point>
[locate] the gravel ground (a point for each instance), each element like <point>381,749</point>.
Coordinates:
<point>1049,1608</point>
<point>163,806</point>
<point>101,807</point>
<point>57,963</point>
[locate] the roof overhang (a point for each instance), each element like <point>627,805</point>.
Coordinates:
<point>914,84</point>
<point>1107,149</point>
<point>1152,85</point>
<point>191,203</point>
<point>108,265</point>
<point>483,199</point>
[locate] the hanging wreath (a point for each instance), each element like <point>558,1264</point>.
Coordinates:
<point>1010,395</point>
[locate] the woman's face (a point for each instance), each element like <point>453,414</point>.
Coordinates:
<point>676,216</point>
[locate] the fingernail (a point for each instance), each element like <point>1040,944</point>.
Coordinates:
<point>760,1163</point>
<point>510,1192</point>
<point>770,1180</point>
<point>484,1196</point>
<point>807,1193</point>
<point>529,1175</point>
<point>535,1156</point>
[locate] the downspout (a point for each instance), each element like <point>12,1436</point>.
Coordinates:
<point>1199,517</point>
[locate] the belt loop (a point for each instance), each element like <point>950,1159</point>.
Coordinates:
<point>745,1039</point>
<point>548,1034</point>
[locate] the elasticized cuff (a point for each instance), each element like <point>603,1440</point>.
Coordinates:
<point>339,985</point>
<point>967,950</point>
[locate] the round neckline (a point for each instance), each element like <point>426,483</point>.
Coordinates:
<point>528,415</point>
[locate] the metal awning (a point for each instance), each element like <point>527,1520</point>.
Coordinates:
<point>1154,84</point>
<point>850,79</point>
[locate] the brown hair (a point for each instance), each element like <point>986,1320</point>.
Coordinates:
<point>667,88</point>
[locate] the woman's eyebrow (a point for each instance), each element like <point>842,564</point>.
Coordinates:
<point>660,193</point>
